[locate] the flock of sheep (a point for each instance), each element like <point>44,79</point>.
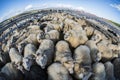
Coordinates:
<point>59,47</point>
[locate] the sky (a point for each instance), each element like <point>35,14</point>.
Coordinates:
<point>109,9</point>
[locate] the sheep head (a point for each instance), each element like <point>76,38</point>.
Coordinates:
<point>28,62</point>
<point>41,59</point>
<point>69,64</point>
<point>40,37</point>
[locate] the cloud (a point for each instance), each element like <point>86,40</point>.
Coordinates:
<point>46,5</point>
<point>117,6</point>
<point>28,7</point>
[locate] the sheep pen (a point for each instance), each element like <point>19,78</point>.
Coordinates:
<point>59,45</point>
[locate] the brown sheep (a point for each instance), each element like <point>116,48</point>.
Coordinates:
<point>63,54</point>
<point>75,38</point>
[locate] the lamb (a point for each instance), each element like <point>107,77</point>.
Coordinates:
<point>45,53</point>
<point>29,56</point>
<point>99,71</point>
<point>75,38</point>
<point>57,71</point>
<point>12,72</point>
<point>94,52</point>
<point>63,54</point>
<point>116,64</point>
<point>109,68</point>
<point>15,56</point>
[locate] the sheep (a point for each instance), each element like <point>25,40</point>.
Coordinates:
<point>15,56</point>
<point>75,38</point>
<point>40,37</point>
<point>4,57</point>
<point>53,26</point>
<point>21,45</point>
<point>94,52</point>
<point>70,25</point>
<point>53,35</point>
<point>116,64</point>
<point>57,71</point>
<point>34,27</point>
<point>82,72</point>
<point>82,62</point>
<point>89,30</point>
<point>45,53</point>
<point>29,56</point>
<point>63,54</point>
<point>109,68</point>
<point>82,55</point>
<point>32,38</point>
<point>106,52</point>
<point>96,37</point>
<point>12,72</point>
<point>98,71</point>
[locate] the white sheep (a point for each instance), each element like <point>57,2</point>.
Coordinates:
<point>82,55</point>
<point>12,72</point>
<point>29,56</point>
<point>53,35</point>
<point>83,62</point>
<point>63,54</point>
<point>45,53</point>
<point>106,52</point>
<point>89,30</point>
<point>94,52</point>
<point>40,37</point>
<point>57,71</point>
<point>96,37</point>
<point>75,38</point>
<point>82,72</point>
<point>99,71</point>
<point>15,56</point>
<point>70,25</point>
<point>109,68</point>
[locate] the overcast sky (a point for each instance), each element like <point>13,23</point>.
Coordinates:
<point>109,9</point>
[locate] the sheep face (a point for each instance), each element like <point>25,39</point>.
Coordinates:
<point>67,36</point>
<point>82,72</point>
<point>27,63</point>
<point>40,37</point>
<point>69,65</point>
<point>96,37</point>
<point>41,59</point>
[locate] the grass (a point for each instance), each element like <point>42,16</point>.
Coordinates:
<point>117,24</point>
